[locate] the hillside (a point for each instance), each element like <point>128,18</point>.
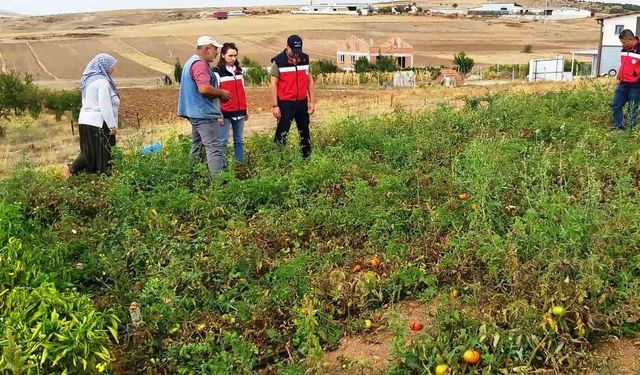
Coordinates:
<point>7,14</point>
<point>147,43</point>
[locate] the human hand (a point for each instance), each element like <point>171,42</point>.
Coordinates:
<point>276,112</point>
<point>311,108</point>
<point>113,131</point>
<point>225,96</point>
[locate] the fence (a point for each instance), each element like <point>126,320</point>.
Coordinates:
<point>371,79</point>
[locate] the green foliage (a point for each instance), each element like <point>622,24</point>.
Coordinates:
<point>382,64</point>
<point>249,62</point>
<point>622,8</point>
<point>46,331</point>
<point>258,271</point>
<point>362,65</point>
<point>254,73</point>
<point>177,71</point>
<point>463,62</point>
<point>227,354</point>
<point>64,101</point>
<point>508,71</point>
<point>579,67</point>
<point>323,67</point>
<point>18,94</point>
<point>385,64</point>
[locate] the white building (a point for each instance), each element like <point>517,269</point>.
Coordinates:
<point>497,9</point>
<point>569,13</point>
<point>447,11</point>
<point>551,14</point>
<point>610,46</point>
<point>335,8</point>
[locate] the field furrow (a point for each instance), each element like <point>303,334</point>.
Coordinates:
<point>18,57</point>
<point>131,53</point>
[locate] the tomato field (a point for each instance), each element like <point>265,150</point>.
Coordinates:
<point>516,216</point>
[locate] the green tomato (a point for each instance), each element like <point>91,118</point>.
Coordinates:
<point>558,311</point>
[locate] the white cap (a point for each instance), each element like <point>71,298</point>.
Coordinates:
<point>206,40</point>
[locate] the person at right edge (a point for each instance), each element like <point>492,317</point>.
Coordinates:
<point>292,93</point>
<point>628,89</point>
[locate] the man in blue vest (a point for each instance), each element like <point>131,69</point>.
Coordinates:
<point>199,102</point>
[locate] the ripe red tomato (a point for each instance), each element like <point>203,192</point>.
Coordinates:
<point>416,326</point>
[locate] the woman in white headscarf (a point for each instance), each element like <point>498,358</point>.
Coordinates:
<point>98,117</point>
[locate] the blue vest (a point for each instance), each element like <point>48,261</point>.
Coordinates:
<point>191,103</point>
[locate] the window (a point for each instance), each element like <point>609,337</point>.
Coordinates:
<point>619,29</point>
<point>342,57</point>
<point>503,9</point>
<point>401,61</point>
<point>353,59</point>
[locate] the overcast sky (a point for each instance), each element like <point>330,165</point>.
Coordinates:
<point>40,7</point>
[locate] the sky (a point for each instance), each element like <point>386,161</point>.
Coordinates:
<point>42,7</point>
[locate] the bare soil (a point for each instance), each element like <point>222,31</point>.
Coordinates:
<point>619,356</point>
<point>370,353</point>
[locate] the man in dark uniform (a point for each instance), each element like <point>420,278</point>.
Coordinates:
<point>293,93</point>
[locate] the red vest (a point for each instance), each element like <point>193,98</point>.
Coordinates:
<point>234,83</point>
<point>629,71</point>
<point>293,82</point>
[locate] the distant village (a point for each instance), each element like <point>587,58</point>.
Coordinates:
<point>603,57</point>
<point>502,10</point>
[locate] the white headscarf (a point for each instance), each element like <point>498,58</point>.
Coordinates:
<point>98,68</point>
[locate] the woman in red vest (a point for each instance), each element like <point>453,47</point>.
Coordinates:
<point>229,74</point>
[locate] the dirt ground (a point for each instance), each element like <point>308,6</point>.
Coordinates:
<point>157,106</point>
<point>619,356</point>
<point>370,353</point>
<point>54,49</point>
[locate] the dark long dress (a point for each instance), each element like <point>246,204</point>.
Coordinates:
<point>95,149</point>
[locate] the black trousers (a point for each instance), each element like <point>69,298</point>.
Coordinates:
<point>294,110</point>
<point>95,149</point>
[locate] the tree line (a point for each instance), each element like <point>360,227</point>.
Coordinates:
<point>20,96</point>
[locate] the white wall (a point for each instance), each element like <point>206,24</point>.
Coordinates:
<point>556,15</point>
<point>497,7</point>
<point>571,12</point>
<point>551,69</point>
<point>609,35</point>
<point>436,10</point>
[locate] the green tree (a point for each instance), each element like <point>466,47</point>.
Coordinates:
<point>62,101</point>
<point>362,65</point>
<point>17,93</point>
<point>385,64</point>
<point>177,71</point>
<point>323,67</point>
<point>463,62</point>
